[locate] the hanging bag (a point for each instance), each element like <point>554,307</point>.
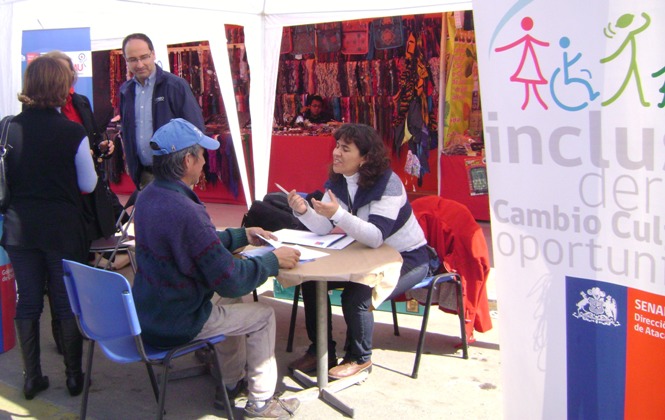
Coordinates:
<point>304,39</point>
<point>355,37</point>
<point>287,41</point>
<point>328,37</point>
<point>4,148</point>
<point>388,33</point>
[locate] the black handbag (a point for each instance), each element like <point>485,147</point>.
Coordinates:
<point>273,213</point>
<point>4,148</point>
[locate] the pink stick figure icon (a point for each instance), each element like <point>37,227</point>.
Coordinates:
<point>528,70</point>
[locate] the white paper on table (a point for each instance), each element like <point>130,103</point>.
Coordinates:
<point>306,254</point>
<point>307,238</point>
<point>274,244</point>
<point>342,243</point>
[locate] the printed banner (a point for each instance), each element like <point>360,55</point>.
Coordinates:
<point>75,42</point>
<point>573,97</point>
<point>615,345</point>
<point>7,299</point>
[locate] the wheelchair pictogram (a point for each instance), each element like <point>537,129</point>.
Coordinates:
<point>557,86</point>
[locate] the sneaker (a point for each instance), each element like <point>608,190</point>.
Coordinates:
<point>274,408</point>
<point>240,390</point>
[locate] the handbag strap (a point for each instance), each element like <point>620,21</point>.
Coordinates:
<point>4,134</point>
<point>4,130</point>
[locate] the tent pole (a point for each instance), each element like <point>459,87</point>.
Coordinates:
<point>442,97</point>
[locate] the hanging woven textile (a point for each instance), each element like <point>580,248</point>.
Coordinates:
<point>328,37</point>
<point>355,37</point>
<point>460,81</point>
<point>388,33</point>
<point>287,41</point>
<point>304,39</point>
<point>415,122</point>
<point>310,76</point>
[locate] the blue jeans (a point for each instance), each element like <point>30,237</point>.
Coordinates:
<point>34,270</point>
<point>356,301</point>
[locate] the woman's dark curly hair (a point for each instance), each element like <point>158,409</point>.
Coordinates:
<point>369,143</point>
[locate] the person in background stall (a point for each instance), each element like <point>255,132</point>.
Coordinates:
<point>314,112</point>
<point>185,265</point>
<point>366,200</point>
<point>48,167</point>
<point>150,99</point>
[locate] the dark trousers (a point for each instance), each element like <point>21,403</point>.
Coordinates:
<point>36,269</point>
<point>356,301</point>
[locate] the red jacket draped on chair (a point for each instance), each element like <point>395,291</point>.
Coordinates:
<point>459,241</point>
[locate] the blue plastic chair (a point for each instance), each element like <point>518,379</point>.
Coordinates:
<point>103,304</point>
<point>429,283</point>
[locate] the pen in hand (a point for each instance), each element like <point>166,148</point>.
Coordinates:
<point>299,206</point>
<point>282,188</point>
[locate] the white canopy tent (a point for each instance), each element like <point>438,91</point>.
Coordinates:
<point>177,21</point>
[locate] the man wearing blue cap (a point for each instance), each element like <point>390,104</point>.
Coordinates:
<point>183,261</point>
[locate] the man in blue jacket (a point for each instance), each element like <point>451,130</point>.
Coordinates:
<point>149,100</point>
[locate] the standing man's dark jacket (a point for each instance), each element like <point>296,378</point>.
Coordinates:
<point>172,98</point>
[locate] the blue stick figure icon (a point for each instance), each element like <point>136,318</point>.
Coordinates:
<point>564,43</point>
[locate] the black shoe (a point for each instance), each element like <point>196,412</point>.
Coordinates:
<point>75,384</point>
<point>71,343</point>
<point>240,390</point>
<point>28,337</point>
<point>34,386</point>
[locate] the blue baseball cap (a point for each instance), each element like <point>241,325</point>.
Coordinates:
<point>179,134</point>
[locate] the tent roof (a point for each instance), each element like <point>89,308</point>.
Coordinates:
<point>175,21</point>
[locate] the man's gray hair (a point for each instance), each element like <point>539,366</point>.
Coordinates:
<point>171,167</point>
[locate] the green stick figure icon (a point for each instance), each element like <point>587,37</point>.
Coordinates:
<point>623,22</point>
